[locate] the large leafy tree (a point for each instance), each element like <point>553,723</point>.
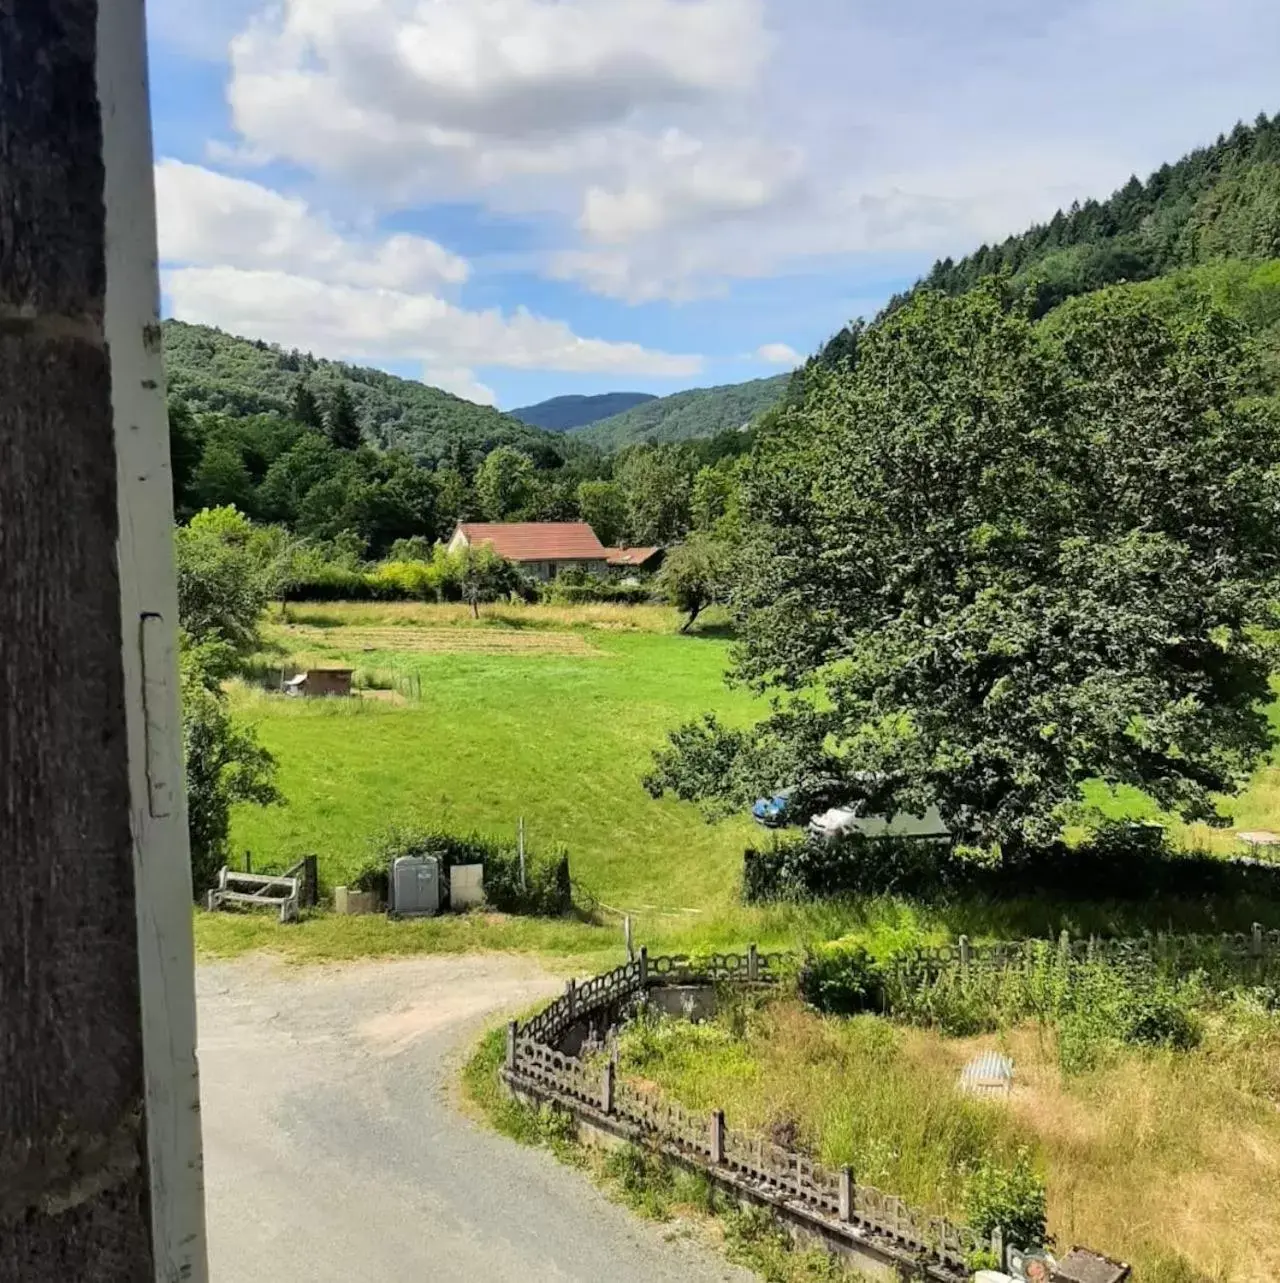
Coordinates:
<point>991,561</point>
<point>603,505</point>
<point>504,483</point>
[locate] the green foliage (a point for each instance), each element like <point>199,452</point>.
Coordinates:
<point>504,483</point>
<point>340,420</point>
<point>695,575</point>
<point>1012,1198</point>
<point>226,575</point>
<point>217,373</point>
<point>546,890</point>
<point>699,413</point>
<point>1009,561</point>
<point>1218,202</point>
<point>225,765</point>
<point>603,505</point>
<point>841,979</point>
<point>658,481</point>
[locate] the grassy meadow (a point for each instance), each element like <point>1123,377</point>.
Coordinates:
<point>1168,1159</point>
<point>546,713</point>
<point>552,713</point>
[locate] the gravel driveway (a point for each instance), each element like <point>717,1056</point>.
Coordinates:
<point>335,1152</point>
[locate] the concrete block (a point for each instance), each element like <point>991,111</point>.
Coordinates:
<point>351,903</point>
<point>466,886</point>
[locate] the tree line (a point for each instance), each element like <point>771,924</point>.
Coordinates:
<point>312,472</point>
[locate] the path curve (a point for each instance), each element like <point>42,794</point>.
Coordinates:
<point>335,1150</point>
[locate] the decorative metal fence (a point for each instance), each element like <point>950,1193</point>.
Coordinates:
<point>831,1199</point>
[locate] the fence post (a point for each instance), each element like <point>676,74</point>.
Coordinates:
<point>1257,940</point>
<point>1093,948</point>
<point>717,1137</point>
<point>964,957</point>
<point>753,964</point>
<point>626,934</point>
<point>1064,948</point>
<point>644,966</point>
<point>571,997</point>
<point>997,1246</point>
<point>846,1195</point>
<point>607,1087</point>
<point>511,1044</point>
<point>310,881</point>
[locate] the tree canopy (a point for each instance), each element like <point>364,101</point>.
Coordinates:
<point>992,560</point>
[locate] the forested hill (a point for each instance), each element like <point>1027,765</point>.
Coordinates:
<point>218,373</point>
<point>1218,202</point>
<point>563,413</point>
<point>686,416</point>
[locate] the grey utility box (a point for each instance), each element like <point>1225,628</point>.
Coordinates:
<point>415,887</point>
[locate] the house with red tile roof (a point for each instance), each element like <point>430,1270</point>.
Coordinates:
<point>634,558</point>
<point>543,549</point>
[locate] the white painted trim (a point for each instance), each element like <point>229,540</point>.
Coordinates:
<point>149,612</point>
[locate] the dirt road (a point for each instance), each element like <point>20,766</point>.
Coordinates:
<point>334,1149</point>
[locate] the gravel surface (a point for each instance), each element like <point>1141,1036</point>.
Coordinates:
<point>335,1150</point>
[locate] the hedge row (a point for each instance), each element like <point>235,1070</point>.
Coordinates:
<point>1121,862</point>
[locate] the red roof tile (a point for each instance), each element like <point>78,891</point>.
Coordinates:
<point>536,540</point>
<point>630,556</point>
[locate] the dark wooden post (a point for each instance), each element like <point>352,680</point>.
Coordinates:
<point>512,1031</point>
<point>99,1129</point>
<point>607,1086</point>
<point>644,967</point>
<point>753,964</point>
<point>310,881</point>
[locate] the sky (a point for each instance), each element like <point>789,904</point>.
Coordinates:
<point>518,199</point>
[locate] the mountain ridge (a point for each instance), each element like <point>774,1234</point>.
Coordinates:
<point>565,413</point>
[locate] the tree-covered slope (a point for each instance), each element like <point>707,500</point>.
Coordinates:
<point>215,372</point>
<point>1219,202</point>
<point>564,413</point>
<point>686,416</point>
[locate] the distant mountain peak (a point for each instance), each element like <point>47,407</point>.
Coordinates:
<point>564,413</point>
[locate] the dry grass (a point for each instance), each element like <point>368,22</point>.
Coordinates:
<point>302,640</point>
<point>409,614</point>
<point>1159,1156</point>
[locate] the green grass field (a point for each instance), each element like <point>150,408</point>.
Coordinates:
<point>556,725</point>
<point>552,714</point>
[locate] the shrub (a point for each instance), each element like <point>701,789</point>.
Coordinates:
<point>547,889</point>
<point>1012,1199</point>
<point>841,980</point>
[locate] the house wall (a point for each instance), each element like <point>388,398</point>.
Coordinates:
<point>547,570</point>
<point>458,542</point>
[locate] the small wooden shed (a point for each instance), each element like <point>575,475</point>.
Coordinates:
<point>320,681</point>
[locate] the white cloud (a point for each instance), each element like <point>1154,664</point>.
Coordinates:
<point>410,93</point>
<point>253,261</point>
<point>355,322</point>
<point>461,382</point>
<point>206,217</point>
<point>683,145</point>
<point>779,354</point>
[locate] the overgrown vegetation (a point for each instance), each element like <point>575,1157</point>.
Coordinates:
<point>540,886</point>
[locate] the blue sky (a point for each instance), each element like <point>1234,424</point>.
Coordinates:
<point>514,199</point>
